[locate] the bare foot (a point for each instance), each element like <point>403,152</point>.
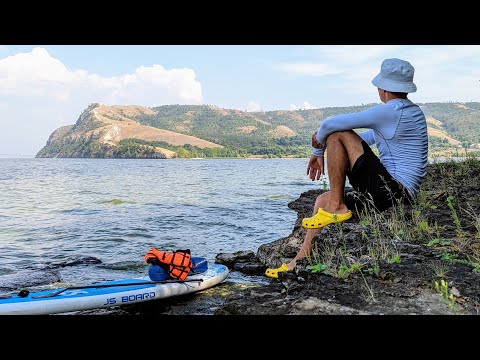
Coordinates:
<point>291,265</point>
<point>339,210</point>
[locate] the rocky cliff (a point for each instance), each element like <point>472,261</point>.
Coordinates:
<point>100,129</point>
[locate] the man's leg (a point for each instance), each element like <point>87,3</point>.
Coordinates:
<point>306,248</point>
<point>344,148</point>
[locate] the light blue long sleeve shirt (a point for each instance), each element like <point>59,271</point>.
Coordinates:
<point>399,131</point>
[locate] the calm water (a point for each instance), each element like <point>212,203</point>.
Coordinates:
<point>85,220</point>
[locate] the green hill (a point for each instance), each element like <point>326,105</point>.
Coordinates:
<point>209,131</point>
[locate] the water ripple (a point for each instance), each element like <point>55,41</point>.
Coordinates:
<point>57,211</point>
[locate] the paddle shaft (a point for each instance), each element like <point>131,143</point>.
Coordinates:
<point>93,286</point>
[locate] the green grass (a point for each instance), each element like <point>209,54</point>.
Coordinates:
<point>445,215</point>
<point>442,288</point>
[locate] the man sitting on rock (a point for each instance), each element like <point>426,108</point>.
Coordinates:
<point>397,128</point>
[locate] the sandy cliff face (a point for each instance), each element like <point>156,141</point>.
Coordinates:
<point>120,124</point>
<point>435,129</point>
<point>105,126</point>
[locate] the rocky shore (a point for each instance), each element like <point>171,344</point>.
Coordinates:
<point>418,259</point>
<point>422,258</point>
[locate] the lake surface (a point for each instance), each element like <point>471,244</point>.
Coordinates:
<point>77,221</point>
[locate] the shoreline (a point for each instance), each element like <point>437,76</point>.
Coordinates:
<point>418,259</point>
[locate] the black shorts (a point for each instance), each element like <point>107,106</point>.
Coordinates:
<point>373,183</point>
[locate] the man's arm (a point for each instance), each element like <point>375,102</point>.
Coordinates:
<point>315,167</point>
<point>317,148</point>
<point>378,117</point>
<point>368,136</point>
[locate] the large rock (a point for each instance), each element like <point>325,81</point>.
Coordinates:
<point>357,268</point>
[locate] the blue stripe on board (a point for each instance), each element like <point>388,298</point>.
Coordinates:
<point>78,293</point>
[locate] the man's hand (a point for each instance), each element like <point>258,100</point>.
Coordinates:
<point>315,167</point>
<point>315,143</point>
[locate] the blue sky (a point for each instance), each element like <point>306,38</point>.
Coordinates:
<point>44,87</point>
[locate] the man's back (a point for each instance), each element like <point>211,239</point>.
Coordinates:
<point>405,153</point>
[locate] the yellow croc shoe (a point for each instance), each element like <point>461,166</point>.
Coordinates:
<point>323,218</point>
<point>273,273</point>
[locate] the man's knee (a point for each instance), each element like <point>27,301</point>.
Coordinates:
<point>343,136</point>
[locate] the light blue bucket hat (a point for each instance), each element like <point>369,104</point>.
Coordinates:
<point>395,75</point>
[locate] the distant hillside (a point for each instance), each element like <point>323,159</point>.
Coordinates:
<point>460,120</point>
<point>112,131</point>
<point>208,131</point>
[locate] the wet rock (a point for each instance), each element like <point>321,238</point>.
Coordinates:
<point>82,261</point>
<point>28,278</point>
<point>230,259</point>
<point>74,262</point>
<point>242,261</point>
<point>252,268</point>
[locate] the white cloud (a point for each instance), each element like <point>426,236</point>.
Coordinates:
<point>308,69</point>
<point>253,106</point>
<point>342,55</point>
<point>442,73</point>
<point>43,94</point>
<point>337,59</point>
<point>308,106</point>
<point>446,73</point>
<point>39,74</point>
<point>305,106</point>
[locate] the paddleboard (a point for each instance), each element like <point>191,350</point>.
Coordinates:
<point>109,293</point>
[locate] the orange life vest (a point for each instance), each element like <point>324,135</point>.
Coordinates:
<point>177,263</point>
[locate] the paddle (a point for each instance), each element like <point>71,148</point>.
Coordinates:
<point>93,286</point>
